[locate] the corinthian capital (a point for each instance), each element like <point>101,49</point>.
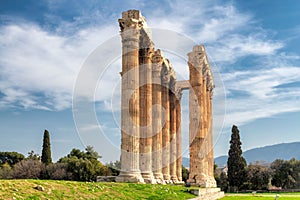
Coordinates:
<point>157,57</point>
<point>178,93</point>
<point>166,73</point>
<point>131,19</point>
<point>197,57</point>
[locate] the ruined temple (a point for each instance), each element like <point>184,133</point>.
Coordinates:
<point>151,141</point>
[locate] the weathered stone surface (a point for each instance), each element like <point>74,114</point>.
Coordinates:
<point>166,76</point>
<point>145,90</point>
<point>178,138</point>
<point>130,24</point>
<point>201,143</point>
<point>157,61</point>
<point>151,140</point>
<point>173,151</point>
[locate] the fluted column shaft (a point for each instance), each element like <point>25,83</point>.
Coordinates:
<point>166,132</point>
<point>210,139</point>
<point>197,115</point>
<point>145,81</point>
<point>211,142</point>
<point>157,117</point>
<point>173,143</point>
<point>205,147</point>
<point>130,33</point>
<point>178,140</point>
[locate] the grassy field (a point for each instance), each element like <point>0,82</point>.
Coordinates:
<point>25,189</point>
<point>262,196</point>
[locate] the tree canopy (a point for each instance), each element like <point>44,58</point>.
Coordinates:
<point>236,162</point>
<point>10,158</point>
<point>84,165</point>
<point>286,174</point>
<point>46,152</point>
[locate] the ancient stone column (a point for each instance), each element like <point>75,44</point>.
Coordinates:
<point>204,105</point>
<point>145,82</point>
<point>157,61</point>
<point>173,143</point>
<point>210,87</point>
<point>178,136</point>
<point>130,25</point>
<point>197,174</point>
<point>166,74</point>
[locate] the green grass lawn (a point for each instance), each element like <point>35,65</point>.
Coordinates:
<point>261,196</point>
<point>24,189</point>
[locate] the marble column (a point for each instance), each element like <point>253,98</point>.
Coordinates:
<point>178,136</point>
<point>173,143</point>
<point>166,72</point>
<point>210,87</point>
<point>145,90</point>
<point>205,147</point>
<point>130,33</point>
<point>197,174</point>
<point>157,61</point>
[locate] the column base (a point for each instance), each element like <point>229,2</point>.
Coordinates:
<point>174,179</point>
<point>159,178</point>
<point>203,181</point>
<point>211,182</point>
<point>148,177</point>
<point>130,177</point>
<point>167,178</point>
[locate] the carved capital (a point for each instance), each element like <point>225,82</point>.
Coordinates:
<point>132,19</point>
<point>178,93</point>
<point>166,73</point>
<point>130,37</point>
<point>197,57</point>
<point>157,57</point>
<point>146,52</point>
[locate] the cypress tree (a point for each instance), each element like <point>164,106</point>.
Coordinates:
<point>46,152</point>
<point>236,163</point>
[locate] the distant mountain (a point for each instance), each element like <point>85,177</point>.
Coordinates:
<point>267,154</point>
<point>222,161</point>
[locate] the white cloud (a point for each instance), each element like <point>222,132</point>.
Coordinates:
<point>235,46</point>
<point>226,20</point>
<point>39,67</point>
<point>35,62</point>
<point>263,95</point>
<point>227,33</point>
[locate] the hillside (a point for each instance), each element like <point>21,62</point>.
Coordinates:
<point>25,189</point>
<point>268,154</point>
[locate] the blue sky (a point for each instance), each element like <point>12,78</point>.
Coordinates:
<point>254,45</point>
